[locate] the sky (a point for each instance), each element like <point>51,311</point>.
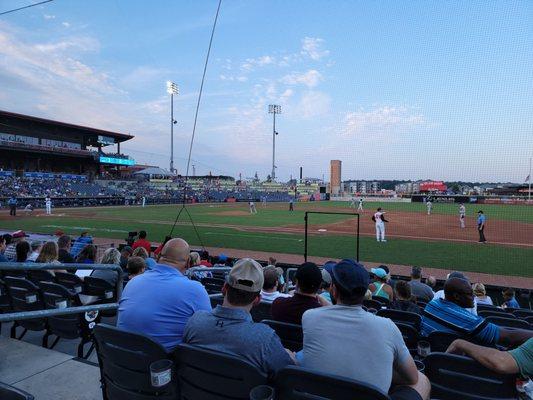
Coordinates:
<point>393,89</point>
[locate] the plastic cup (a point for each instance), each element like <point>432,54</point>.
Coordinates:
<point>262,392</point>
<point>161,373</point>
<point>424,348</point>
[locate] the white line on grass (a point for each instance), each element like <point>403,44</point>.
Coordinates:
<point>84,228</point>
<point>259,236</point>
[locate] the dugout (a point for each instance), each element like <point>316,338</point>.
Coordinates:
<point>29,143</point>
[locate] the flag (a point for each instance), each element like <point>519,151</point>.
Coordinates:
<point>527,179</point>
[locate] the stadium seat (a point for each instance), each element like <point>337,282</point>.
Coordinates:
<point>124,360</point>
<point>374,304</point>
<point>421,304</point>
<point>210,375</point>
<point>405,317</point>
<point>296,383</point>
<point>8,392</point>
<point>25,296</point>
<point>409,334</point>
<point>440,341</point>
<point>212,285</point>
<point>456,377</point>
<point>529,320</point>
<point>261,311</point>
<point>523,313</point>
<point>101,289</point>
<point>291,335</point>
<point>37,276</point>
<point>70,326</point>
<point>494,313</point>
<point>384,302</point>
<point>509,322</point>
<point>486,307</point>
<point>216,299</point>
<point>71,281</point>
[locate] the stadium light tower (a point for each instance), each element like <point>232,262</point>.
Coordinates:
<point>172,89</point>
<point>274,109</point>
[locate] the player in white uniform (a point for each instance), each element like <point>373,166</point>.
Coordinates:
<point>252,207</point>
<point>360,206</point>
<point>429,205</point>
<point>462,215</point>
<point>143,201</point>
<point>264,201</point>
<point>352,203</point>
<point>28,209</point>
<point>48,204</point>
<point>379,219</point>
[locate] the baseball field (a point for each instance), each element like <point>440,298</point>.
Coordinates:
<point>414,238</point>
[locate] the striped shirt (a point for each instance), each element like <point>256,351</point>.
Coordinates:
<point>444,316</point>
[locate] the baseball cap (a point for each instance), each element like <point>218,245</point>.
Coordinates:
<point>19,234</point>
<point>457,274</point>
<point>246,275</point>
<point>350,275</point>
<point>384,268</point>
<point>328,266</point>
<point>222,257</point>
<point>379,272</point>
<point>326,277</point>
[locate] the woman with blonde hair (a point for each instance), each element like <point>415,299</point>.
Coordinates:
<point>480,294</point>
<point>49,254</point>
<point>110,256</point>
<point>140,252</point>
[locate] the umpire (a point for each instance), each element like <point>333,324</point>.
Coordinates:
<point>12,203</point>
<point>481,226</point>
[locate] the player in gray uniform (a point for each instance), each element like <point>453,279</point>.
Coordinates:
<point>462,215</point>
<point>360,206</point>
<point>429,205</point>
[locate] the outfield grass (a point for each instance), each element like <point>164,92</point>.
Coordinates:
<point>488,258</point>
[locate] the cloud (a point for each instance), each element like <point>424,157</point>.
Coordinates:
<point>310,78</point>
<point>47,16</point>
<point>313,104</point>
<point>66,24</point>
<point>230,78</point>
<point>251,63</point>
<point>381,120</point>
<point>312,47</point>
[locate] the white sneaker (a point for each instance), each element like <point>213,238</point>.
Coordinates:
<point>383,240</point>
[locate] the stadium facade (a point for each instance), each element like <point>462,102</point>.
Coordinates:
<point>33,144</point>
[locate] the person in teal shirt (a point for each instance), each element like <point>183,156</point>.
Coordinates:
<point>481,226</point>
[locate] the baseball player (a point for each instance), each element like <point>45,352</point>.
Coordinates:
<point>28,209</point>
<point>379,219</point>
<point>291,204</point>
<point>429,205</point>
<point>264,201</point>
<point>252,207</point>
<point>143,201</point>
<point>462,213</point>
<point>360,206</point>
<point>48,204</point>
<point>352,203</point>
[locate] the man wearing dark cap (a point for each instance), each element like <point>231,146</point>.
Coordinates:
<point>308,281</point>
<point>419,289</point>
<point>450,315</point>
<point>229,328</point>
<point>346,340</point>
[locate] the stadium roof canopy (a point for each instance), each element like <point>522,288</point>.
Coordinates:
<point>154,171</point>
<point>14,120</point>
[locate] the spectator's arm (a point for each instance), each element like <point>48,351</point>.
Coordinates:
<point>405,372</point>
<point>514,337</point>
<point>498,361</point>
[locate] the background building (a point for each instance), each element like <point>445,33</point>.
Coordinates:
<point>335,177</point>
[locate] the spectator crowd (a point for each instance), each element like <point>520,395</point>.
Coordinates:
<point>341,335</point>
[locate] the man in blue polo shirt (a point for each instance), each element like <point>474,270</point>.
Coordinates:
<point>159,302</point>
<point>229,328</point>
<point>450,315</point>
<point>481,226</point>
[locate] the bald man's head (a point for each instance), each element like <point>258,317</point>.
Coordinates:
<point>459,291</point>
<point>176,253</point>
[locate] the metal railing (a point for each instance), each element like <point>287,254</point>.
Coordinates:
<point>306,218</point>
<point>22,315</point>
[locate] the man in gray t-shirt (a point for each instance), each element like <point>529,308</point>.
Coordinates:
<point>345,340</point>
<point>422,291</point>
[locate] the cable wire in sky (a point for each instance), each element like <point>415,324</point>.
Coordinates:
<point>22,8</point>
